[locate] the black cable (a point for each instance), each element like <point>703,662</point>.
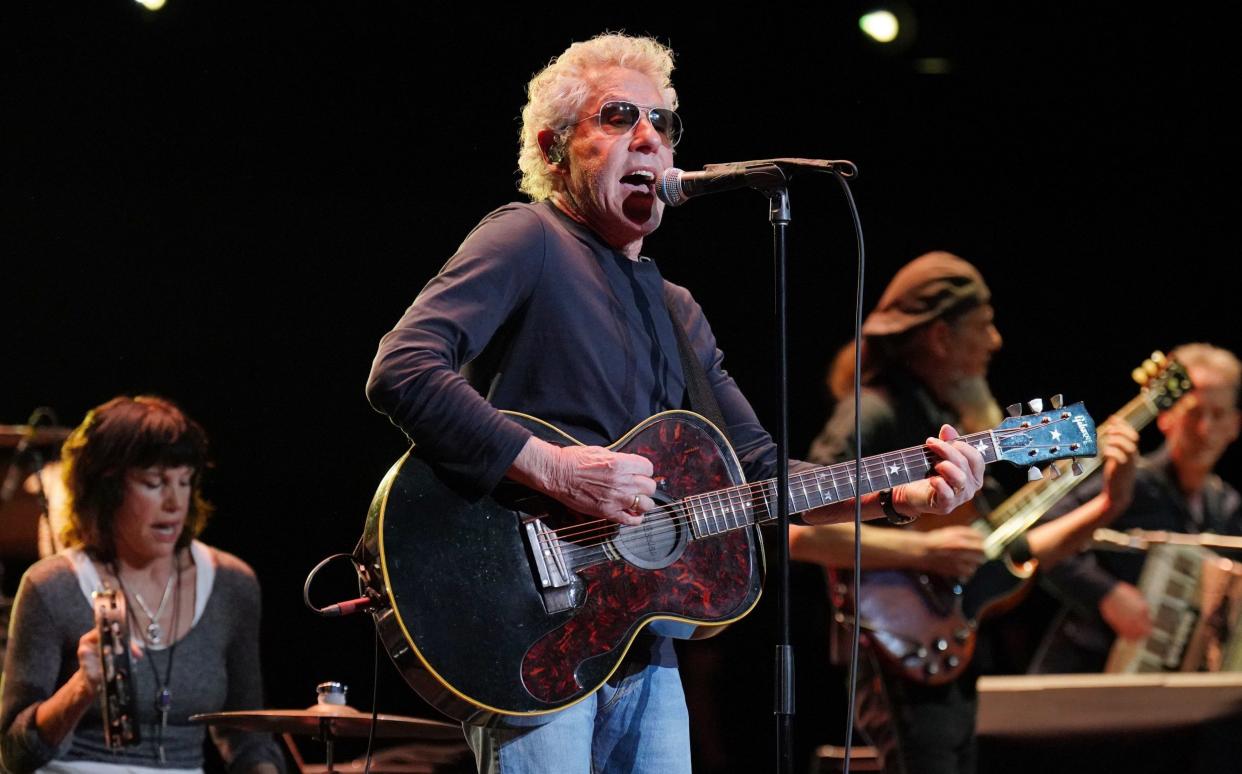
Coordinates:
<point>858,310</point>
<point>331,611</point>
<point>374,691</point>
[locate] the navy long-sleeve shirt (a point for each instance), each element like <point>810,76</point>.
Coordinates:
<point>534,314</point>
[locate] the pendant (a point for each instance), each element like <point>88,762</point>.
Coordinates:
<point>163,700</point>
<point>155,634</point>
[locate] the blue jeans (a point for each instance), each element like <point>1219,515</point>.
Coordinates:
<point>636,724</point>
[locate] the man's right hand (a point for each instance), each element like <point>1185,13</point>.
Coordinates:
<point>588,479</point>
<point>1125,609</point>
<point>954,552</point>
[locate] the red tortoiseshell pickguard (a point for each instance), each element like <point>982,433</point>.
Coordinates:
<point>707,583</point>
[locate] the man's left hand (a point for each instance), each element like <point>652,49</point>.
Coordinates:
<point>959,476</point>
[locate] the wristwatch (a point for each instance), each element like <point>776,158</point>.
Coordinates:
<point>894,516</point>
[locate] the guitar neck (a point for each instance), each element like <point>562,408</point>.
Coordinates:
<point>741,506</point>
<point>1012,518</point>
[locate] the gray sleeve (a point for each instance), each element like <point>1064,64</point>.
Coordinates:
<point>32,670</point>
<point>242,751</point>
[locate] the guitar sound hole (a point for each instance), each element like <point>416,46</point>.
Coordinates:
<point>658,542</point>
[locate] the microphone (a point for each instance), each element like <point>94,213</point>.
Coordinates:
<point>675,187</point>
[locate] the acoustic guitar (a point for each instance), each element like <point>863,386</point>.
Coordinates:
<point>508,608</point>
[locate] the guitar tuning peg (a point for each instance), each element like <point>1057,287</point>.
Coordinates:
<point>1074,466</point>
<point>1036,404</point>
<point>1033,474</point>
<point>1150,367</point>
<point>1158,358</point>
<point>1054,471</point>
<point>1014,409</point>
<point>1057,401</point>
<point>1139,375</point>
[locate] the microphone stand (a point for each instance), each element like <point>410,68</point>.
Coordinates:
<point>771,178</point>
<point>779,216</point>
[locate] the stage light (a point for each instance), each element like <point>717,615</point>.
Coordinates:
<point>151,5</point>
<point>881,26</point>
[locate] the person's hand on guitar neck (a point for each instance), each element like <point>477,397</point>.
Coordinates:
<point>597,482</point>
<point>588,479</point>
<point>959,476</point>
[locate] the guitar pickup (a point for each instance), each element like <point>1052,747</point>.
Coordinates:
<point>560,587</point>
<point>545,548</point>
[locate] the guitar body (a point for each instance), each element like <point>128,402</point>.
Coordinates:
<point>997,587</point>
<point>467,614</point>
<point>505,609</point>
<point>923,626</point>
<point>914,622</point>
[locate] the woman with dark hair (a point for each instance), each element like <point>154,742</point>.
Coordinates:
<point>133,470</point>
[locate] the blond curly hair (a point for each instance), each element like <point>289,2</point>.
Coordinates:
<point>557,94</point>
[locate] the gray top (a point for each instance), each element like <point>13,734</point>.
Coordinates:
<point>215,668</point>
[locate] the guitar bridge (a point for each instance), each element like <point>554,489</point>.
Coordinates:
<point>561,588</point>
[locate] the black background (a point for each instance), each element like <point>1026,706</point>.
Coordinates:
<point>229,203</point>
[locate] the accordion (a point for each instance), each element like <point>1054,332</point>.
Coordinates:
<point>1195,599</point>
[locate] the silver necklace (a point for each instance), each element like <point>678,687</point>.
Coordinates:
<point>155,632</point>
<point>163,696</point>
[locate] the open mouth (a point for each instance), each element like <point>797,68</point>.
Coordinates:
<point>168,530</point>
<point>641,181</point>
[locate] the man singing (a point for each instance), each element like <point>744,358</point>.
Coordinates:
<point>551,309</point>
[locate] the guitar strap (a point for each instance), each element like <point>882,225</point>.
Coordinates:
<point>702,399</point>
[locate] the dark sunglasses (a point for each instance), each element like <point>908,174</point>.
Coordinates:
<point>619,117</point>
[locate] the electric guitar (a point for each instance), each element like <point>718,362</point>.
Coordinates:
<point>508,608</point>
<point>924,626</point>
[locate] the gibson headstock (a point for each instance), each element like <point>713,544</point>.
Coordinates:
<point>1064,432</point>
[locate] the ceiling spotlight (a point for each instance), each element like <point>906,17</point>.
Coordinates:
<point>151,5</point>
<point>881,26</point>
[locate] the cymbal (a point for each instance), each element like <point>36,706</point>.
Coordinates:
<point>45,435</point>
<point>340,721</point>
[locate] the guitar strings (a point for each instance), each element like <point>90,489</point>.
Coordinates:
<point>1036,505</point>
<point>738,492</point>
<point>669,518</point>
<point>798,480</point>
<point>732,497</point>
<point>879,462</point>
